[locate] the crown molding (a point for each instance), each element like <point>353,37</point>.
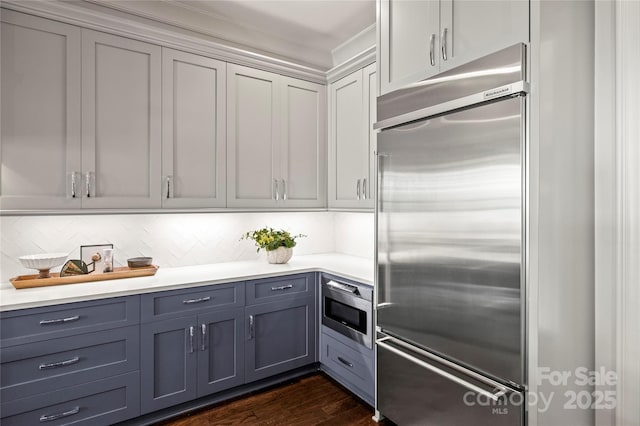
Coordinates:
<point>356,62</point>
<point>100,21</point>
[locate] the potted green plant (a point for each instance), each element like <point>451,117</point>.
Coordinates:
<point>278,244</point>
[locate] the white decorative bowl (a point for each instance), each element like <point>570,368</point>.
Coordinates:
<point>279,255</point>
<point>43,262</point>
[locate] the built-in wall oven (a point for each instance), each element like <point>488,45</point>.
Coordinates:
<point>347,309</point>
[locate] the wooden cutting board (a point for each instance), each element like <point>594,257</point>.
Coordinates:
<point>30,281</point>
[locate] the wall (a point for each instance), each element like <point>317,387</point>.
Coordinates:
<point>178,239</point>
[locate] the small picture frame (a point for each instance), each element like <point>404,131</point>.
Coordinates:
<point>87,253</point>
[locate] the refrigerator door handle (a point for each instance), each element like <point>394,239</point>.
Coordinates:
<point>495,396</point>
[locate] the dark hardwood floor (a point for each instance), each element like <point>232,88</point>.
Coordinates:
<point>310,400</point>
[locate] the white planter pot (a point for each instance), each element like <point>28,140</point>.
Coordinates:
<point>279,255</point>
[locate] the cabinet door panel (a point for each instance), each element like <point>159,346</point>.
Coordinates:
<point>221,356</point>
<point>168,365</point>
<point>253,132</point>
<point>121,121</point>
<point>40,117</point>
<point>369,101</point>
<point>405,44</point>
<point>475,28</point>
<point>347,135</point>
<point>302,153</point>
<point>193,132</point>
<point>283,337</point>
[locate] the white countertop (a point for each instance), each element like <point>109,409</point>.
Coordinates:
<point>355,268</point>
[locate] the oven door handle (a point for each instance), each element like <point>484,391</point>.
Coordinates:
<point>346,288</point>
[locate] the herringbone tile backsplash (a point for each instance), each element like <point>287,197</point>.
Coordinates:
<point>178,239</point>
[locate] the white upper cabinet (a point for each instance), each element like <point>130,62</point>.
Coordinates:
<point>421,38</point>
<point>352,140</point>
<point>275,140</point>
<point>409,41</point>
<point>121,145</point>
<point>193,130</point>
<point>253,137</point>
<point>303,143</point>
<point>470,29</point>
<point>40,114</point>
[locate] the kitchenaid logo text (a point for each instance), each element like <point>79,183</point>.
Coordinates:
<point>497,92</point>
<point>548,379</point>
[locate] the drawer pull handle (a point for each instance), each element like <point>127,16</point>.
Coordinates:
<point>52,417</point>
<point>282,287</point>
<point>198,300</point>
<point>59,364</point>
<point>345,362</point>
<point>60,320</point>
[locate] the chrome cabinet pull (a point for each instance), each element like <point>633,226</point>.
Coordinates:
<point>169,179</point>
<point>345,362</point>
<point>432,46</point>
<point>74,182</point>
<point>88,183</point>
<point>51,417</point>
<point>203,328</point>
<point>59,364</point>
<point>358,190</point>
<point>284,190</point>
<point>277,191</point>
<point>443,47</point>
<point>198,300</point>
<point>191,335</point>
<point>60,320</point>
<point>251,327</point>
<point>282,287</point>
<point>364,188</point>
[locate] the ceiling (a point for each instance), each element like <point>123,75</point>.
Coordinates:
<point>301,30</point>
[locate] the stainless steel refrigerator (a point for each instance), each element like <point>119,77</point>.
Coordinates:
<point>450,217</point>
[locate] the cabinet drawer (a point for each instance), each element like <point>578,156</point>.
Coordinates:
<point>30,325</point>
<point>51,364</point>
<point>172,304</point>
<point>348,366</point>
<point>272,289</point>
<point>102,402</point>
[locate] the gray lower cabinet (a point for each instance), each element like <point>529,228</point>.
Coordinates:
<point>189,357</point>
<point>280,336</point>
<point>102,402</point>
<point>348,362</point>
<point>168,361</point>
<point>74,363</point>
